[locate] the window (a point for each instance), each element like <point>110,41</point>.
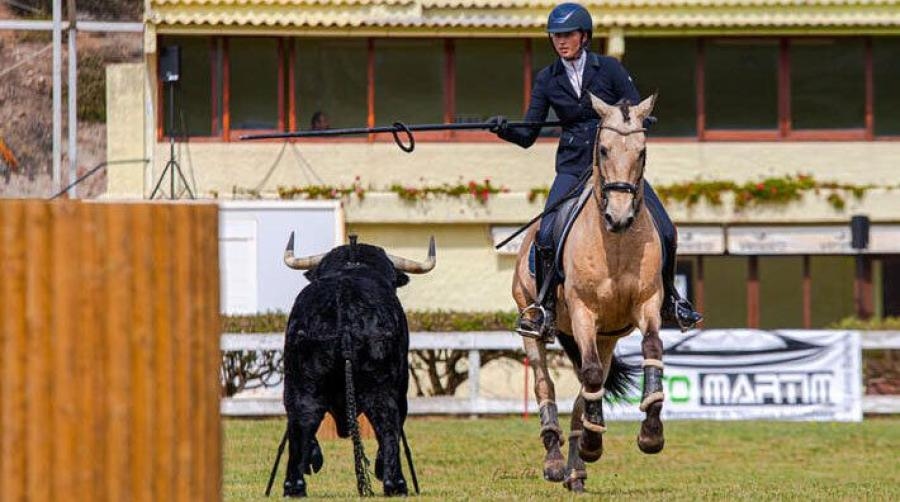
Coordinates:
<point>192,92</point>
<point>827,84</point>
<point>409,81</point>
<point>741,84</point>
<point>253,75</point>
<point>666,65</point>
<point>489,79</point>
<point>330,77</point>
<point>886,69</point>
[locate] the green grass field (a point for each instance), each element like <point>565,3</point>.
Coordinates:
<point>500,459</point>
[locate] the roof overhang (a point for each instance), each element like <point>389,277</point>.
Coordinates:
<point>498,18</point>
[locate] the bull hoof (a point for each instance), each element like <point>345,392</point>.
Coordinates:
<point>316,459</point>
<point>590,446</point>
<point>554,466</point>
<point>295,489</point>
<point>397,489</point>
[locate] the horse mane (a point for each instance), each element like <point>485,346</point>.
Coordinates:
<point>625,107</point>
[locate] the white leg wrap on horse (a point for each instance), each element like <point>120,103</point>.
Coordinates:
<point>652,398</point>
<point>652,362</point>
<point>593,396</point>
<point>545,402</point>
<point>574,435</point>
<point>600,429</point>
<point>555,429</point>
<point>577,474</point>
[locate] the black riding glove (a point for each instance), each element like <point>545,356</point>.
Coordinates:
<point>497,124</point>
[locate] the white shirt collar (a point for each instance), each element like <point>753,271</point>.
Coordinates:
<point>575,71</point>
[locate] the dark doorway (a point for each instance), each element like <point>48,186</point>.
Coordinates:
<point>890,280</point>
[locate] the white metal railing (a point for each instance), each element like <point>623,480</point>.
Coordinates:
<point>474,342</point>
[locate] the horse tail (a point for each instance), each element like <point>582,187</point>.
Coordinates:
<point>621,381</point>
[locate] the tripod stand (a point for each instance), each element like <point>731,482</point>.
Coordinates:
<point>172,167</point>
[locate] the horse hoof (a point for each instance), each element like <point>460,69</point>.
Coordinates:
<point>590,447</point>
<point>575,485</point>
<point>555,470</point>
<point>650,439</point>
<point>650,445</point>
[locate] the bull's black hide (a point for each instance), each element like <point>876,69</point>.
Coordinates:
<point>349,308</point>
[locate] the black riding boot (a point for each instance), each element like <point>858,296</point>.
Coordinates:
<point>539,321</point>
<point>675,308</point>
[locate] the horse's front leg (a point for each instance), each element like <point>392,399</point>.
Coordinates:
<point>650,439</point>
<point>584,329</point>
<point>551,434</point>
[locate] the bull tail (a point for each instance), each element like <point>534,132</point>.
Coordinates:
<point>360,462</point>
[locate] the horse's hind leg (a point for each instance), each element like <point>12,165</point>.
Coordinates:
<point>551,434</point>
<point>650,439</point>
<point>576,473</point>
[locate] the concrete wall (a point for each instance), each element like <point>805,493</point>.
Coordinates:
<point>221,166</point>
<point>125,129</point>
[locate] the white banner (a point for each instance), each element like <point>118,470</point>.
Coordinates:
<point>752,374</point>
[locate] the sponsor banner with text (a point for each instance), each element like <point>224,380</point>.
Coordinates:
<point>752,374</point>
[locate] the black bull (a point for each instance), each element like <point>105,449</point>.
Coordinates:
<point>345,353</point>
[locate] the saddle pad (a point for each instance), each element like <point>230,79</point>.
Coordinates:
<point>569,210</point>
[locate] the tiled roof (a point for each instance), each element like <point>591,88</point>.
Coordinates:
<point>525,14</point>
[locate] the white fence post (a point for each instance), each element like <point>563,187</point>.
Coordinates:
<point>474,377</point>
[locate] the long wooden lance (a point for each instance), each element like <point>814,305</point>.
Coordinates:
<point>395,129</point>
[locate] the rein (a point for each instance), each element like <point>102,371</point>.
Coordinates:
<point>616,186</point>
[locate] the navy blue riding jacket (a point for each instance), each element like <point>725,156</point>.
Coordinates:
<point>603,76</point>
<point>607,79</point>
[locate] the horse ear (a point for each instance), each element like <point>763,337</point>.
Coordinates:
<point>600,106</point>
<point>645,108</point>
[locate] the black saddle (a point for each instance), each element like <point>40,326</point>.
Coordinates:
<point>563,218</point>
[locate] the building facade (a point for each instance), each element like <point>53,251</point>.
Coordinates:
<point>801,92</point>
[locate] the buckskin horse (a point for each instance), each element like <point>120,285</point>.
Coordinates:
<point>612,268</point>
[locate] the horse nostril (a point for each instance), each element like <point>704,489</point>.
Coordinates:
<point>629,221</point>
<point>609,219</point>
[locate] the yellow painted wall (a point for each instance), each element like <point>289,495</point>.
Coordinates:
<point>125,128</point>
<point>469,275</point>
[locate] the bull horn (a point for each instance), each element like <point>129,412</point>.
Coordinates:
<point>415,267</point>
<point>303,263</point>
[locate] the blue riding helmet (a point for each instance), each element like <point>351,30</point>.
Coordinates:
<point>569,16</point>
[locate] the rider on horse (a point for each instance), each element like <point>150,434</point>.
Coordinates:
<point>565,86</point>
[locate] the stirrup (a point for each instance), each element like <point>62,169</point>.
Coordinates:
<point>691,317</point>
<point>536,328</point>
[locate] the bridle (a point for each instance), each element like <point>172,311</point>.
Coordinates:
<point>617,186</point>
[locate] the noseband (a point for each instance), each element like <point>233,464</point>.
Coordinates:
<point>617,186</point>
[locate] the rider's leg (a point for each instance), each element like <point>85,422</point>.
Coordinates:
<point>675,307</point>
<point>534,321</point>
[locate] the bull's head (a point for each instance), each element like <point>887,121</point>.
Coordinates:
<point>359,255</point>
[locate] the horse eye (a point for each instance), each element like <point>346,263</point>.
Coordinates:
<point>603,151</point>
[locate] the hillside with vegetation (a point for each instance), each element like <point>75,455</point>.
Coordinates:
<point>26,86</point>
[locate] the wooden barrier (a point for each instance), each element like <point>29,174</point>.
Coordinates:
<point>109,351</point>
